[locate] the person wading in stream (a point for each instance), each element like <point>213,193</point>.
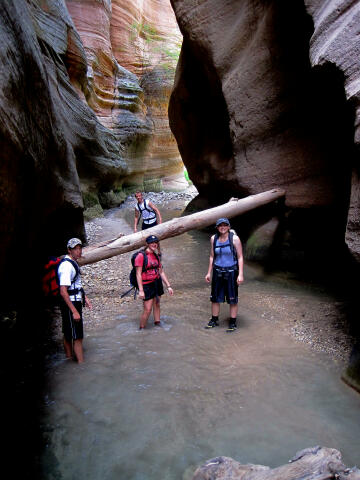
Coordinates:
<point>73,299</point>
<point>149,212</point>
<point>226,265</point>
<point>150,281</point>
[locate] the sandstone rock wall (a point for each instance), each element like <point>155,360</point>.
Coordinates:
<point>313,462</point>
<point>48,135</point>
<point>130,73</point>
<point>73,119</point>
<point>266,94</point>
<point>336,41</point>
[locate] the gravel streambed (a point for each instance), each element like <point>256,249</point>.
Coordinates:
<point>318,321</point>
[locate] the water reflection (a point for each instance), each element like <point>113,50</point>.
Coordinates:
<point>156,403</point>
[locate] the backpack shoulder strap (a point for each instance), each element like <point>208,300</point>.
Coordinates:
<point>147,206</point>
<point>233,249</point>
<point>145,262</point>
<point>216,236</point>
<point>145,259</point>
<point>74,264</point>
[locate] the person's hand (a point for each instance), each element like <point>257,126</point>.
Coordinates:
<point>88,303</point>
<point>171,291</point>
<point>141,294</point>
<point>207,277</point>
<point>76,316</point>
<point>240,279</point>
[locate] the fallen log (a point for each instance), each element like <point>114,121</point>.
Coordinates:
<point>178,226</point>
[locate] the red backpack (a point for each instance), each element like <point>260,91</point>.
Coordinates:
<point>50,279</point>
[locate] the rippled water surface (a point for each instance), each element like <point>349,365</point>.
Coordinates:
<point>154,404</point>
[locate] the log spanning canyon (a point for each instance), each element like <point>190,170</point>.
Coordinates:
<point>178,226</point>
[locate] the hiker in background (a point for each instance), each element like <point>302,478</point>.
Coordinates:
<point>149,212</point>
<point>226,265</point>
<point>150,281</point>
<point>73,300</point>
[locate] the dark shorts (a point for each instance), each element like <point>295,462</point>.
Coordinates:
<point>72,330</point>
<point>224,286</point>
<point>146,225</point>
<point>153,289</point>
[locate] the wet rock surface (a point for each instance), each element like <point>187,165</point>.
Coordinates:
<point>307,464</point>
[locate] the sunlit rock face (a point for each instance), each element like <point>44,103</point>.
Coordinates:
<point>73,118</point>
<point>48,135</point>
<point>131,53</point>
<point>266,95</point>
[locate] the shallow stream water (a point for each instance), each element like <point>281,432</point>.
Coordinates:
<point>155,404</point>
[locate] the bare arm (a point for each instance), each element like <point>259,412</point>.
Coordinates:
<point>139,282</point>
<point>238,247</point>
<point>88,303</point>
<point>157,211</point>
<point>166,281</point>
<point>211,259</point>
<point>65,296</point>
<point>137,217</point>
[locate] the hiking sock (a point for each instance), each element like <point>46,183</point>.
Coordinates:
<point>232,324</point>
<point>214,322</point>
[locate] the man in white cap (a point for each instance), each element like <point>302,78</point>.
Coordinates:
<point>73,299</point>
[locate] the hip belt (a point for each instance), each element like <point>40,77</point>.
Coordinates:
<point>224,272</point>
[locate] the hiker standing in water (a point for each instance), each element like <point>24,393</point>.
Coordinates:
<point>150,281</point>
<point>226,265</point>
<point>149,212</point>
<point>73,300</point>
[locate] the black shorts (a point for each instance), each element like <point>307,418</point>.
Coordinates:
<point>224,286</point>
<point>72,329</point>
<point>148,225</point>
<point>153,289</point>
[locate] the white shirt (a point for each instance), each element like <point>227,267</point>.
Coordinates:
<point>67,274</point>
<point>148,217</point>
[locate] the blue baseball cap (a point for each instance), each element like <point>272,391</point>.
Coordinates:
<point>152,239</point>
<point>222,220</point>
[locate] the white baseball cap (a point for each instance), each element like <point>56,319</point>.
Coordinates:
<point>73,242</point>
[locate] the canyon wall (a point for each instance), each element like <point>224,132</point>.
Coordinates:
<point>131,50</point>
<point>74,119</point>
<point>266,95</point>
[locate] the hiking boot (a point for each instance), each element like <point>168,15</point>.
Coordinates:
<point>212,324</point>
<point>232,326</point>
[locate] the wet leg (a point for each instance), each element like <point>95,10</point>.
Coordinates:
<point>156,311</point>
<point>67,348</point>
<point>78,350</point>
<point>148,305</point>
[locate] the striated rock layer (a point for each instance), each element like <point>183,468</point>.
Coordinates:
<point>266,94</point>
<point>130,48</point>
<point>73,119</point>
<point>48,135</point>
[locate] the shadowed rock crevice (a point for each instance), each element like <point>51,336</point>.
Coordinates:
<point>287,123</point>
<point>199,119</point>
